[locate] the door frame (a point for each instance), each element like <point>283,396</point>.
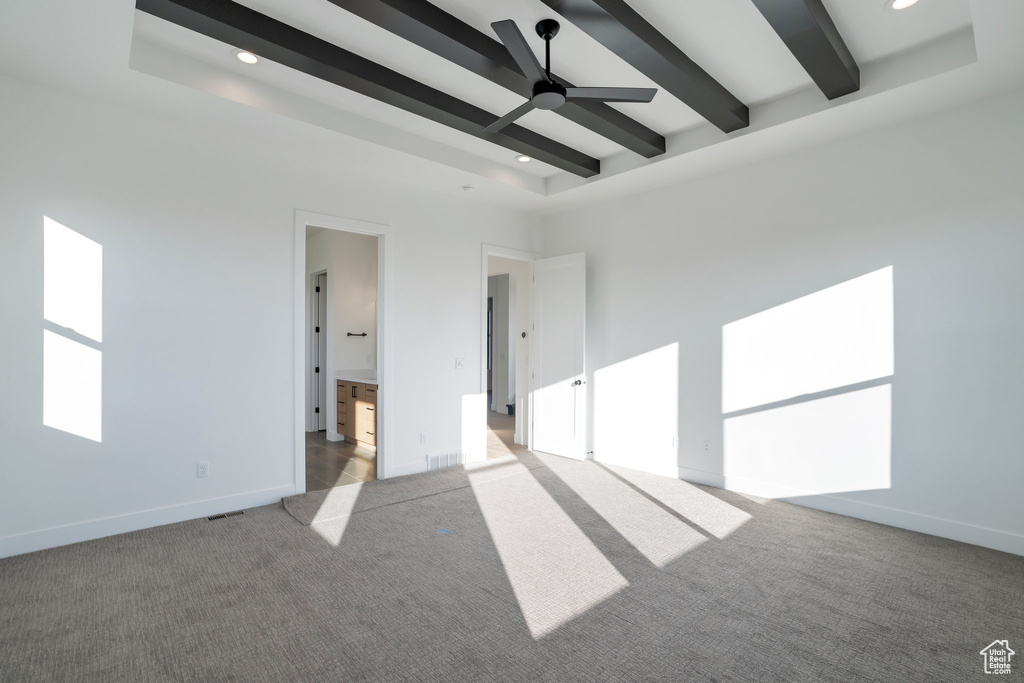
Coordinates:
<point>385,269</point>
<point>515,255</point>
<point>311,417</point>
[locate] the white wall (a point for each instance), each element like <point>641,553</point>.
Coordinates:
<point>939,200</point>
<point>353,276</point>
<point>197,229</point>
<point>519,273</point>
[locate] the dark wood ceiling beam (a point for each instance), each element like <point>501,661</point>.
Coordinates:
<point>434,29</point>
<point>264,36</point>
<point>622,30</point>
<point>811,35</point>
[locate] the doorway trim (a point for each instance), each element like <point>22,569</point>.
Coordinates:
<point>304,219</point>
<point>515,255</point>
<point>313,394</point>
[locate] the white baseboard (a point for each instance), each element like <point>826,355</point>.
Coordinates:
<point>986,537</point>
<point>51,537</point>
<point>415,467</point>
<point>408,468</point>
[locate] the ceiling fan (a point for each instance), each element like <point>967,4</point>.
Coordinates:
<point>548,93</point>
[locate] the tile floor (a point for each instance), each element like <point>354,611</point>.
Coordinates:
<point>336,463</point>
<point>500,432</point>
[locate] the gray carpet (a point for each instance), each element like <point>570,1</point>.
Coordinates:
<point>564,572</point>
<point>328,504</point>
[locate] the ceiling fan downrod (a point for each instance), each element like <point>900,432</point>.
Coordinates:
<point>547,29</point>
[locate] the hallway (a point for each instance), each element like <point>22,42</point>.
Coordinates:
<point>500,434</point>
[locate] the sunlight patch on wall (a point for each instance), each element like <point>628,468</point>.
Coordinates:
<point>838,336</point>
<point>808,384</point>
<point>656,533</point>
<point>474,427</point>
<point>833,444</point>
<point>636,412</point>
<point>555,571</point>
<point>72,387</point>
<point>72,280</point>
<point>73,304</point>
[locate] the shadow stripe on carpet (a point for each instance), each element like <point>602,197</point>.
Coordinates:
<point>328,504</point>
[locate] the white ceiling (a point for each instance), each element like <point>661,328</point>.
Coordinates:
<point>60,42</point>
<point>728,38</point>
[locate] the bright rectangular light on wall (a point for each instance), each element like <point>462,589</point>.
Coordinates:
<point>72,387</point>
<point>836,337</point>
<point>833,444</point>
<point>636,432</point>
<point>73,308</point>
<point>72,280</point>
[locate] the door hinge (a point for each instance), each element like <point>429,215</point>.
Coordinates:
<point>318,289</point>
<point>318,410</point>
<point>318,370</point>
<point>318,330</point>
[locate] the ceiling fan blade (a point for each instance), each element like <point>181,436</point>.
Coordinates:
<point>509,117</point>
<point>516,44</point>
<point>611,94</point>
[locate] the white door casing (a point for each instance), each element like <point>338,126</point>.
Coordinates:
<point>320,353</point>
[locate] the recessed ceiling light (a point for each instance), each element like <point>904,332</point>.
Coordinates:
<point>247,57</point>
<point>899,4</point>
<point>523,158</point>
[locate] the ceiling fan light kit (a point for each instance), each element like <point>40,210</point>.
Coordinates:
<point>547,93</point>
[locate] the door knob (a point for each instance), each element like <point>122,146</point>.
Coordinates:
<point>576,383</point>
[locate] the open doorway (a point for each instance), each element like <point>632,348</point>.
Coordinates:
<point>341,442</point>
<point>507,295</point>
<point>340,388</point>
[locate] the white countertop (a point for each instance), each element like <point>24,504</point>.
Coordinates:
<point>364,376</point>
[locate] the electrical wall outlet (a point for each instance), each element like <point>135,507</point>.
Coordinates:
<point>675,441</point>
<point>202,469</point>
<point>707,446</point>
<point>423,438</point>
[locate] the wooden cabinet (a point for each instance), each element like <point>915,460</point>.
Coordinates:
<point>357,411</point>
<point>346,425</point>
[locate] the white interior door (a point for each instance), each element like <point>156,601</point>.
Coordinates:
<point>558,356</point>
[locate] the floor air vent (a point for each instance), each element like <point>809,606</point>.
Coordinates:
<point>236,513</point>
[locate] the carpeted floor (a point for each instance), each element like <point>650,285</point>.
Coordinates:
<point>532,568</point>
